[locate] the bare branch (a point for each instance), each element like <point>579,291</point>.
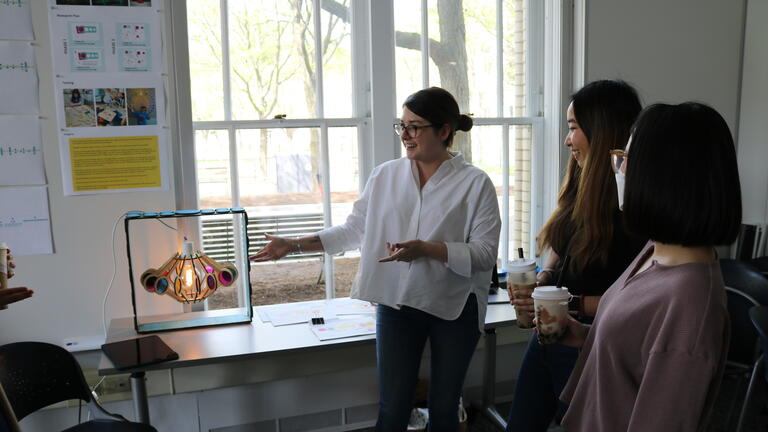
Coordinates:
<point>413,41</point>
<point>336,9</point>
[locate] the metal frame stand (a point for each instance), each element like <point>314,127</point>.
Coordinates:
<point>489,380</point>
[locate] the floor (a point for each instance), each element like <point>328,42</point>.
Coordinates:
<point>756,419</point>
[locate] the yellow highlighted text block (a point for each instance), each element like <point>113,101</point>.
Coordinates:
<point>115,163</point>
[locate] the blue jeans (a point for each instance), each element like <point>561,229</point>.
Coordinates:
<point>543,375</point>
<point>400,339</point>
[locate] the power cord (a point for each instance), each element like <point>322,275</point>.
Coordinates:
<point>109,287</point>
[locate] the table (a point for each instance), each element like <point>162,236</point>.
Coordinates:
<point>215,345</point>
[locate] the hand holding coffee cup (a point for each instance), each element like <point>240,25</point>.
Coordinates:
<point>550,304</point>
<point>520,285</point>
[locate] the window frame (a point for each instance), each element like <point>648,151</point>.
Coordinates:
<point>374,102</point>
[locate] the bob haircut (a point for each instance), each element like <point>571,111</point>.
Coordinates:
<point>439,107</point>
<point>682,184</point>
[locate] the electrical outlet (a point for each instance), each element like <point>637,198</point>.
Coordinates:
<point>114,387</point>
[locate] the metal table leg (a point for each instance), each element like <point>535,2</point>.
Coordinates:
<point>489,380</point>
<point>140,401</point>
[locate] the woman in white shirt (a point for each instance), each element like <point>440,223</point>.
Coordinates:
<point>427,226</point>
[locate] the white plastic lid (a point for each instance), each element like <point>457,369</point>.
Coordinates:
<point>521,265</point>
<point>551,293</point>
<point>3,245</point>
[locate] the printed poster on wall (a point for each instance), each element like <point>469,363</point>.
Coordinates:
<point>21,151</point>
<point>26,225</point>
<point>18,78</point>
<point>108,64</point>
<point>16,20</point>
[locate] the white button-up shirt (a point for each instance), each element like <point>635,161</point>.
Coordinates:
<point>457,206</point>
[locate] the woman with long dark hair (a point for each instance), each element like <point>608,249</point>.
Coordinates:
<point>586,226</point>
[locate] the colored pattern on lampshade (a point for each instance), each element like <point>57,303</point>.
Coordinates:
<point>189,277</point>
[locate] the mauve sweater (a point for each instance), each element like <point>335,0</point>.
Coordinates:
<point>655,354</point>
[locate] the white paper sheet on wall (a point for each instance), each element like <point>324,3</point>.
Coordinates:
<point>16,20</point>
<point>21,151</point>
<point>24,220</point>
<point>18,78</point>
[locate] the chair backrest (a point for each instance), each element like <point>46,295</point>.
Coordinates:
<point>745,288</point>
<point>759,316</point>
<point>36,374</point>
<point>8,421</point>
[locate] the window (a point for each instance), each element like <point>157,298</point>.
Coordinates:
<point>479,51</point>
<point>282,101</point>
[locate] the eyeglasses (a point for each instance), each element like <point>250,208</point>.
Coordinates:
<point>412,130</point>
<point>618,159</point>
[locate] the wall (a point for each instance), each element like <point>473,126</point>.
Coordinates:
<point>753,124</point>
<point>672,51</point>
<point>70,284</point>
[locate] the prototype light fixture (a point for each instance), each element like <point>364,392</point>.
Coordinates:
<point>189,276</point>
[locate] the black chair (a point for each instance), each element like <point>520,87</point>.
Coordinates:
<point>35,375</point>
<point>745,288</point>
<point>759,316</point>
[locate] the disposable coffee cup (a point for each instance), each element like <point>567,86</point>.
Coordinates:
<point>521,275</point>
<point>551,305</point>
<point>3,268</point>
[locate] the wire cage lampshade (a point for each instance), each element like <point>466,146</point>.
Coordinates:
<point>189,277</point>
<point>194,287</point>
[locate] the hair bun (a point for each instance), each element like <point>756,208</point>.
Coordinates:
<point>464,123</point>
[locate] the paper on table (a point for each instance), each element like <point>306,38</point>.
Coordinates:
<point>16,20</point>
<point>21,153</point>
<point>24,221</point>
<point>18,79</point>
<point>298,313</point>
<point>348,306</point>
<point>345,327</point>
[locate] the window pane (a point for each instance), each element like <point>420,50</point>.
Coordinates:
<point>271,59</point>
<point>337,58</point>
<point>345,178</point>
<point>407,50</point>
<point>488,157</point>
<point>515,47</point>
<point>279,170</point>
<point>280,191</point>
<point>520,163</point>
<point>204,29</point>
<point>480,24</point>
<point>214,189</point>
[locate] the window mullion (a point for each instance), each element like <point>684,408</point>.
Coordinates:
<point>505,196</point>
<point>500,58</point>
<point>324,159</point>
<point>225,59</point>
<point>424,44</point>
<point>234,171</point>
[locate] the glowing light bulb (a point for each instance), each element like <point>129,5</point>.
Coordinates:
<point>189,275</point>
<point>188,271</point>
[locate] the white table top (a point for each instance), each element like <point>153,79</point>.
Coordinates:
<point>209,345</point>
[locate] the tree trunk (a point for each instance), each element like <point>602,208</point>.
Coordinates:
<point>452,64</point>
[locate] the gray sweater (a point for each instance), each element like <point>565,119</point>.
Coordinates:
<point>655,354</point>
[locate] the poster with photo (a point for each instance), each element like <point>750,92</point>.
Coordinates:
<point>79,108</point>
<point>107,58</point>
<point>142,108</point>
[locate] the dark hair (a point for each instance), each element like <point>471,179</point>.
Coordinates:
<point>439,107</point>
<point>682,184</point>
<point>582,223</point>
